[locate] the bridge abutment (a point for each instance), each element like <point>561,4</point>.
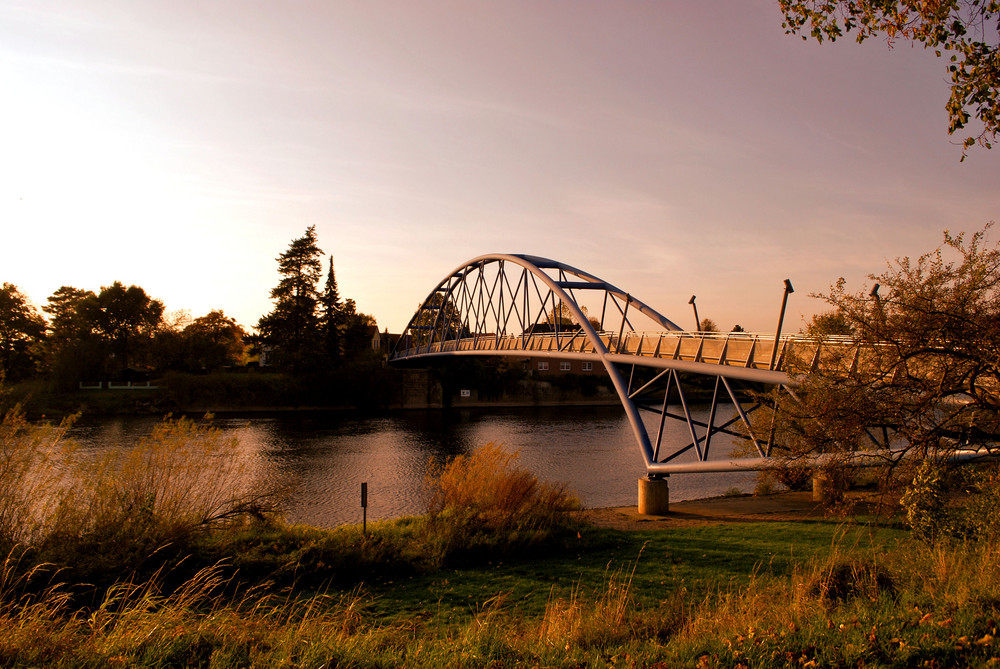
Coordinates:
<point>654,496</point>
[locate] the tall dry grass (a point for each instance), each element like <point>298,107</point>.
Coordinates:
<point>610,615</point>
<point>185,473</point>
<point>107,512</point>
<point>484,500</point>
<point>34,459</point>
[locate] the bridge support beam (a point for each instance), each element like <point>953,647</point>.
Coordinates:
<point>654,496</point>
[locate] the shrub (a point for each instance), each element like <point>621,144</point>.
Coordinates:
<point>943,503</point>
<point>979,518</point>
<point>484,500</point>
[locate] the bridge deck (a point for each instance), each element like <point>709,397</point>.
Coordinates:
<point>747,351</point>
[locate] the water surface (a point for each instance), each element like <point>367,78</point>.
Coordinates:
<point>330,454</point>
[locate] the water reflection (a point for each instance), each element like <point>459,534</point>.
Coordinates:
<point>331,453</point>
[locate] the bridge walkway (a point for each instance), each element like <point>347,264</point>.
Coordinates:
<point>714,354</point>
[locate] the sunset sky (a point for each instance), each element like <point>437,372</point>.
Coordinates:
<point>671,148</point>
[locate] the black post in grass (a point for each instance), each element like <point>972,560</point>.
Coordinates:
<point>364,508</point>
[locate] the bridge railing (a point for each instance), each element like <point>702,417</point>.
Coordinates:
<point>734,349</point>
<point>739,349</point>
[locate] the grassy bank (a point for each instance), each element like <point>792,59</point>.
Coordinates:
<point>839,597</point>
<point>165,556</point>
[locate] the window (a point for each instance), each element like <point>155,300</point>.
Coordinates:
<point>564,366</point>
<point>543,366</point>
<point>588,366</point>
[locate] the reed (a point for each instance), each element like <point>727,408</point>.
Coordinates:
<point>103,514</point>
<point>33,464</point>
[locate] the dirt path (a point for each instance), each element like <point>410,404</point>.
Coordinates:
<point>785,506</point>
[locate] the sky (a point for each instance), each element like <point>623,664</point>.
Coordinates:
<point>670,148</point>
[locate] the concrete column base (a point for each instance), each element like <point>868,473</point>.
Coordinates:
<point>827,487</point>
<point>654,497</point>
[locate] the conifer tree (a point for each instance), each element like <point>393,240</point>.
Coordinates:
<point>292,332</point>
<point>21,329</point>
<point>333,312</point>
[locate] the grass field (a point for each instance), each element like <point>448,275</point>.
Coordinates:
<point>132,562</point>
<point>728,595</point>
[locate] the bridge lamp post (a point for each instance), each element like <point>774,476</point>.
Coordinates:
<point>781,318</point>
<point>697,322</point>
<point>878,303</point>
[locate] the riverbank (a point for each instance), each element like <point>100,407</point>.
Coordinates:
<point>265,392</point>
<point>751,593</point>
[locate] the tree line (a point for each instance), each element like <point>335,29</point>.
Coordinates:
<point>121,330</point>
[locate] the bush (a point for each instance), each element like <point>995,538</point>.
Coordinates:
<point>483,500</point>
<point>961,503</point>
<point>223,389</point>
<point>979,518</point>
<point>924,502</point>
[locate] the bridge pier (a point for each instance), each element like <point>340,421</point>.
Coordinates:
<point>828,486</point>
<point>654,496</point>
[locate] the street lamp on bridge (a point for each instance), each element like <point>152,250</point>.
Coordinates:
<point>781,317</point>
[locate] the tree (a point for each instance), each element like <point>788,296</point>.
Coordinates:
<point>125,319</point>
<point>63,310</point>
<point>968,29</point>
<point>830,323</point>
<point>708,325</point>
<point>72,351</point>
<point>332,318</point>
<point>169,342</point>
<point>357,332</point>
<point>22,328</point>
<point>561,317</point>
<point>437,319</point>
<point>927,370</point>
<point>212,341</point>
<point>292,330</point>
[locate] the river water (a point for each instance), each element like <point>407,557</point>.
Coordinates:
<point>329,454</point>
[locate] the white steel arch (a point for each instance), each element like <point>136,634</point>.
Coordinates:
<point>528,306</point>
<point>455,290</point>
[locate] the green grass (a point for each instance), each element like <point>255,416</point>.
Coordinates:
<point>698,559</point>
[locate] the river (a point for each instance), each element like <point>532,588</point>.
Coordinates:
<point>329,454</point>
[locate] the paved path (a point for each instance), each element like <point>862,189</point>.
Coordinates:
<point>787,506</point>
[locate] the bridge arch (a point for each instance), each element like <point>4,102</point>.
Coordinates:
<point>529,306</point>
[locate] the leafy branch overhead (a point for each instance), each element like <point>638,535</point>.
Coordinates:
<point>929,329</point>
<point>966,30</point>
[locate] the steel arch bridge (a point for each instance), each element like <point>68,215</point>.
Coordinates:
<point>528,306</point>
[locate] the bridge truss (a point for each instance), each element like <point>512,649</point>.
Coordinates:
<point>527,306</point>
